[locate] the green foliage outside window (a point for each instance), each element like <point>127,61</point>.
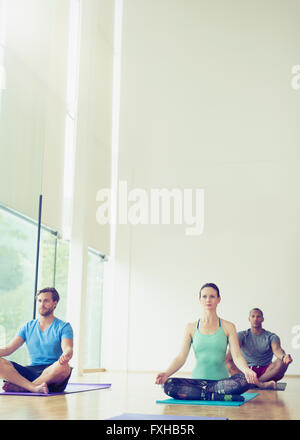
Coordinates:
<point>18,246</point>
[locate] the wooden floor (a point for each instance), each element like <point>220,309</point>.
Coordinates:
<point>136,393</point>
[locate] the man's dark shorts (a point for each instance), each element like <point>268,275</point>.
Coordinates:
<point>32,372</point>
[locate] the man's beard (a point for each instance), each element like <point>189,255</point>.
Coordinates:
<point>47,312</point>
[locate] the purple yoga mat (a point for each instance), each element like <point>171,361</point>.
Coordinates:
<point>71,388</point>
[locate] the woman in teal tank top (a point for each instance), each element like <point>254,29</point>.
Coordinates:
<point>210,353</point>
<point>209,338</point>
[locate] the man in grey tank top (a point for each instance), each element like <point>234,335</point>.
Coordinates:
<point>258,347</point>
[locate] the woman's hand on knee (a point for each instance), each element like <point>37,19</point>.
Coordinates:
<point>161,378</point>
<point>251,376</point>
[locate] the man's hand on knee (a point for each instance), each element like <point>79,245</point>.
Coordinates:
<point>287,359</point>
<point>64,358</point>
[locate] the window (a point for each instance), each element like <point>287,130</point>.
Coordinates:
<point>93,315</point>
<point>18,242</point>
<point>18,246</point>
<point>53,267</point>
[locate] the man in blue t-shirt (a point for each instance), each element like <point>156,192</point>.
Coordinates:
<point>258,347</point>
<point>50,344</point>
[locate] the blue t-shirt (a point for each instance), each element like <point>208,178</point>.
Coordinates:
<point>45,347</point>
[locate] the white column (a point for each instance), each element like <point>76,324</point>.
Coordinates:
<point>78,258</point>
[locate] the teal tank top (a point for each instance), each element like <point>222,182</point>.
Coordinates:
<point>210,353</point>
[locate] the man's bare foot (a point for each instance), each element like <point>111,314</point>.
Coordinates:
<point>42,389</point>
<point>9,387</point>
<point>269,384</point>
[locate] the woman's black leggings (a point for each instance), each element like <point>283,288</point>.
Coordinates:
<point>198,389</point>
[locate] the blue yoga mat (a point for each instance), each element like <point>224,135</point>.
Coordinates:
<point>131,416</point>
<point>247,396</point>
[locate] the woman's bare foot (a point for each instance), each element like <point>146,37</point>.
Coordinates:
<point>268,384</point>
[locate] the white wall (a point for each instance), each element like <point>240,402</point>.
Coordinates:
<point>207,102</point>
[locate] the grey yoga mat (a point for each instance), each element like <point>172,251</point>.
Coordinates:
<point>281,386</point>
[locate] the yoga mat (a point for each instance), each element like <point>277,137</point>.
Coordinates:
<point>281,386</point>
<point>247,396</point>
<point>131,416</point>
<point>70,388</point>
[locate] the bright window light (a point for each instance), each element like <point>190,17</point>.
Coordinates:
<point>71,114</point>
<point>115,118</point>
<point>2,47</point>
